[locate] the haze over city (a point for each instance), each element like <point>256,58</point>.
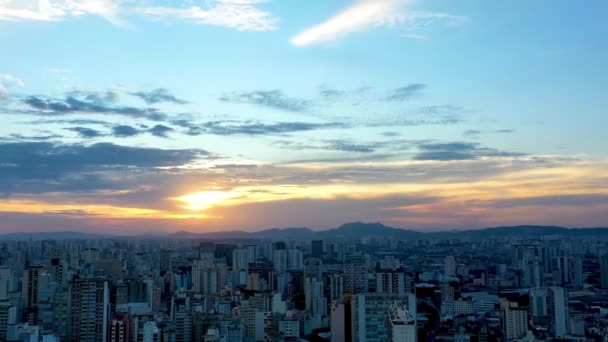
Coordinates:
<point>127,117</point>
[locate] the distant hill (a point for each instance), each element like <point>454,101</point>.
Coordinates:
<point>355,231</point>
<point>65,235</point>
<point>359,230</point>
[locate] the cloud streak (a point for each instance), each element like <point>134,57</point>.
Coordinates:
<point>242,15</point>
<point>406,92</point>
<point>361,15</point>
<point>7,82</point>
<point>56,10</point>
<point>365,14</point>
<point>158,95</point>
<point>254,127</point>
<point>275,99</point>
<point>86,102</point>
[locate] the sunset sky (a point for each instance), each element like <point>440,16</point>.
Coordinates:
<point>133,116</point>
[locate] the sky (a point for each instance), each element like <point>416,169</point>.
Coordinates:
<point>138,116</point>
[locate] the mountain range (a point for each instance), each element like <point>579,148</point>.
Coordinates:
<point>355,230</point>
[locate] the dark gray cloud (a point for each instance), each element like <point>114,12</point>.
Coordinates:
<point>553,201</point>
<point>458,151</point>
<point>471,133</point>
<point>253,127</point>
<point>330,93</point>
<point>123,131</point>
<point>37,167</point>
<point>157,96</point>
<point>412,121</point>
<point>441,110</point>
<point>421,116</point>
<point>85,132</point>
<point>87,102</point>
<point>160,131</point>
<point>398,146</point>
<point>328,145</point>
<point>268,98</point>
<point>43,136</point>
<point>78,122</point>
<point>406,92</point>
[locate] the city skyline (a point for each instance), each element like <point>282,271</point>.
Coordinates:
<point>159,116</point>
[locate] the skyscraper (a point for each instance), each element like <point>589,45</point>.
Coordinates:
<point>8,315</point>
<point>181,317</point>
<point>388,281</point>
<point>557,298</point>
<point>370,315</point>
<point>355,274</point>
<point>316,249</point>
<point>402,325</point>
<point>6,282</point>
<point>151,332</point>
<point>240,260</point>
<point>30,284</point>
<point>315,301</point>
<point>341,324</point>
<point>89,310</point>
<point>120,328</point>
<point>450,265</point>
<point>538,302</point>
<point>604,271</point>
<point>206,250</point>
<point>514,321</point>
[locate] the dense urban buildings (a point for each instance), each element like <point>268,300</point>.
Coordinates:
<point>369,288</point>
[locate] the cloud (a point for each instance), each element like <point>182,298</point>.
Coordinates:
<point>458,151</point>
<point>347,145</point>
<point>160,131</point>
<point>123,131</point>
<point>69,122</point>
<point>56,10</point>
<point>242,15</point>
<point>555,200</point>
<point>327,93</point>
<point>474,133</point>
<point>329,145</point>
<point>254,127</point>
<point>268,98</point>
<point>21,137</point>
<point>85,132</point>
<point>36,167</point>
<point>406,92</point>
<point>87,102</point>
<point>471,133</point>
<point>7,82</point>
<point>365,14</point>
<point>359,16</point>
<point>157,96</point>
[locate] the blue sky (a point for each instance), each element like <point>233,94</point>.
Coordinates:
<point>332,98</point>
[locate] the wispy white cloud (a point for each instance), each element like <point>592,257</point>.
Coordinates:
<point>55,10</point>
<point>364,14</point>
<point>242,15</point>
<point>7,82</point>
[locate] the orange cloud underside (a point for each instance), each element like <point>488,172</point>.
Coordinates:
<point>466,196</point>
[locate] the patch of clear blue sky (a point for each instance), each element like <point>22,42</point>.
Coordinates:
<point>512,65</point>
